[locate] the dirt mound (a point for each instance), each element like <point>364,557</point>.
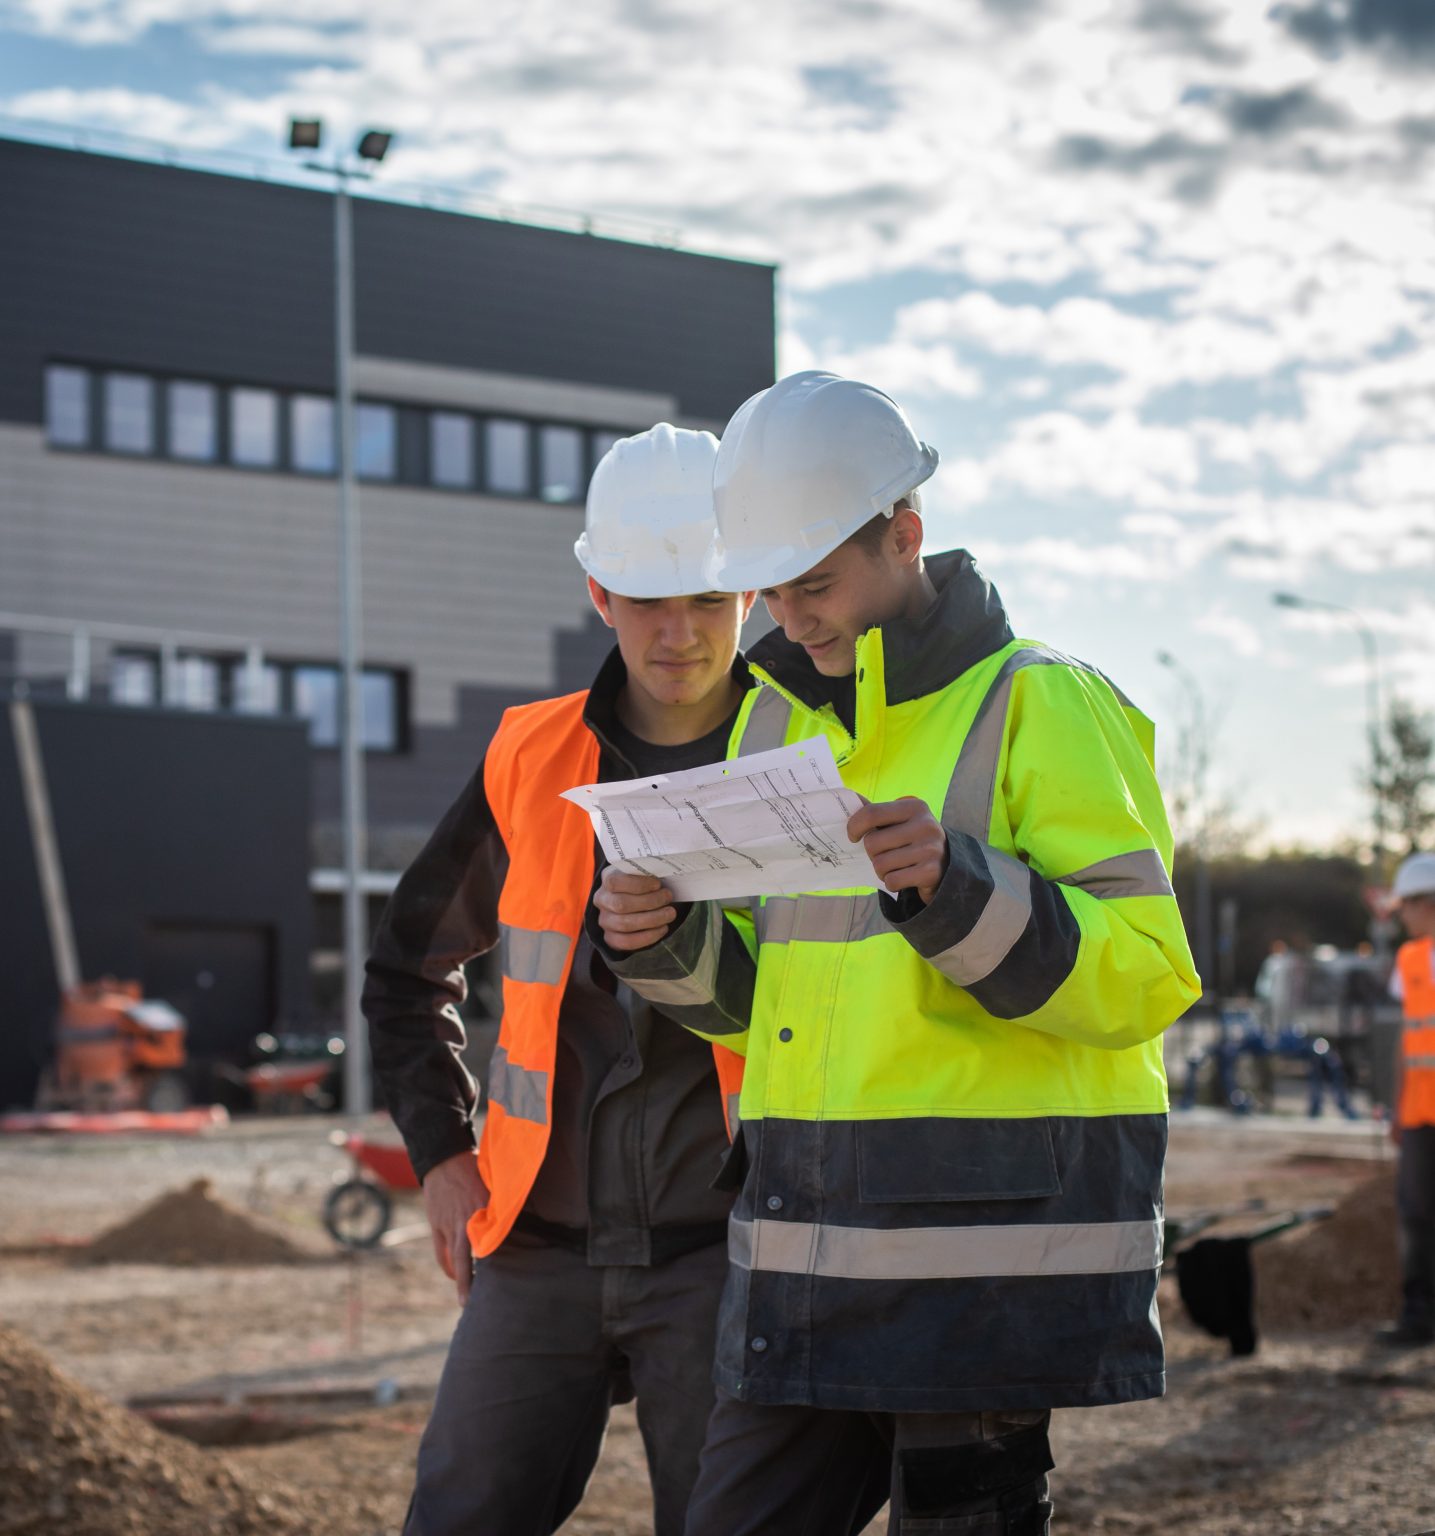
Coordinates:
<point>1337,1273</point>
<point>71,1461</point>
<point>191,1226</point>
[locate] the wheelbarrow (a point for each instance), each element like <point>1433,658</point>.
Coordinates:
<point>359,1208</point>
<point>1214,1274</point>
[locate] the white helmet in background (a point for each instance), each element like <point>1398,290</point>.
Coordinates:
<point>649,519</point>
<point>1415,877</point>
<point>802,467</point>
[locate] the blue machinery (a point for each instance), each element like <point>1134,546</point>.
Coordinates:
<point>1243,1037</point>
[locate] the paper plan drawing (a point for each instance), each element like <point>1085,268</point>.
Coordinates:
<point>772,824</point>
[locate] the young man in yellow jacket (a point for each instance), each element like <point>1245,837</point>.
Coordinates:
<point>953,1119</point>
<point>582,1232</point>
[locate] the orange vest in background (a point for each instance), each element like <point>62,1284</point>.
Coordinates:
<point>1415,962</point>
<point>539,751</point>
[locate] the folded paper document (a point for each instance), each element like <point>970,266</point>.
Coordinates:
<point>772,824</point>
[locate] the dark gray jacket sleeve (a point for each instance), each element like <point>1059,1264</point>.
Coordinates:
<point>701,974</point>
<point>442,914</point>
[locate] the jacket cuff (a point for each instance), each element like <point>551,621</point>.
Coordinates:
<point>957,903</point>
<point>435,1144</point>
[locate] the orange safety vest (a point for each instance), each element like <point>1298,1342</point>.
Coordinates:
<point>1416,963</point>
<point>539,751</point>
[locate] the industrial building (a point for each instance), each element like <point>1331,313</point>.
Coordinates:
<point>168,509</point>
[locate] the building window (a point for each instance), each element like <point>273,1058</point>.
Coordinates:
<point>451,449</point>
<point>67,406</point>
<point>129,413</point>
<point>193,683</point>
<point>376,437</point>
<point>602,442</point>
<point>254,428</point>
<point>133,679</point>
<point>560,463</point>
<point>317,699</point>
<point>381,711</point>
<point>193,421</point>
<point>311,434</point>
<point>505,457</point>
<point>256,690</point>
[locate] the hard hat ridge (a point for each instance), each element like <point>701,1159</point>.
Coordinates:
<point>801,467</point>
<point>648,520</point>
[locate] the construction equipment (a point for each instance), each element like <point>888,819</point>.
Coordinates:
<point>115,1050</point>
<point>359,1208</point>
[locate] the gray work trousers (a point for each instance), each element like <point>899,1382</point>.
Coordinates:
<point>791,1471</point>
<point>544,1346</point>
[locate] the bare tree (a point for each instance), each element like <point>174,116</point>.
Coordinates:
<point>1402,777</point>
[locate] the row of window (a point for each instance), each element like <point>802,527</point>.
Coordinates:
<point>197,422</point>
<point>311,691</point>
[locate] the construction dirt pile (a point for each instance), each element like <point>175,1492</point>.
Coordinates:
<point>1336,1273</point>
<point>73,1462</point>
<point>191,1226</point>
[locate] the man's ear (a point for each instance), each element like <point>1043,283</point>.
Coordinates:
<point>906,533</point>
<point>748,599</point>
<point>602,601</point>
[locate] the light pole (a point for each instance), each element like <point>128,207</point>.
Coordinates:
<point>308,133</point>
<point>1199,763</point>
<point>1372,706</point>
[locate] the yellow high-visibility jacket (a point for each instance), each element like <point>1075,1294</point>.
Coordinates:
<point>953,1118</point>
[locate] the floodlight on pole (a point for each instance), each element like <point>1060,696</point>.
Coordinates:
<point>307,133</point>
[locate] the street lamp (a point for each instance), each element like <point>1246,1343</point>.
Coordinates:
<point>1372,704</point>
<point>308,134</point>
<point>1199,763</point>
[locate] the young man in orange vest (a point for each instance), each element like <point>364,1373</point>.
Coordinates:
<point>1413,1128</point>
<point>585,1241</point>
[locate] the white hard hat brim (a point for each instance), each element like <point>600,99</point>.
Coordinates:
<point>686,577</point>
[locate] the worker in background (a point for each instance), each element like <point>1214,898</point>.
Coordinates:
<point>1413,1124</point>
<point>586,1220</point>
<point>954,1111</point>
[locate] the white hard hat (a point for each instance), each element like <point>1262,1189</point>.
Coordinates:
<point>1415,877</point>
<point>649,518</point>
<point>802,467</point>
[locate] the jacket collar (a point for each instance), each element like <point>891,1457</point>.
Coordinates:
<point>600,709</point>
<point>966,624</point>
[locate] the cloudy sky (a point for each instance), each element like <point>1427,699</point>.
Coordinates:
<point>1157,277</point>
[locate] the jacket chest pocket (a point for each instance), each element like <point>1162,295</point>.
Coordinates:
<point>917,1162</point>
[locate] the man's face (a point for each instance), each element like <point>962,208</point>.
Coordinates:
<point>826,609</point>
<point>676,649</point>
<point>1417,915</point>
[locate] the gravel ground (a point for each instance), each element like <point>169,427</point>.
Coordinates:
<point>1315,1433</point>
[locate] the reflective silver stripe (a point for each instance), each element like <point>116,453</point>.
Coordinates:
<point>945,1253</point>
<point>1126,874</point>
<point>534,954</point>
<point>1419,1061</point>
<point>820,919</point>
<point>766,721</point>
<point>968,806</point>
<point>700,988</point>
<point>522,1093</point>
<point>734,1119</point>
<point>1002,922</point>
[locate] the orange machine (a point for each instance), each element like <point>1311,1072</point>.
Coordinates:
<point>116,1050</point>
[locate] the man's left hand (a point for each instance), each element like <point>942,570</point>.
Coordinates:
<point>906,843</point>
